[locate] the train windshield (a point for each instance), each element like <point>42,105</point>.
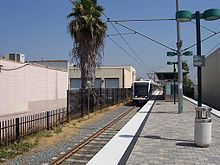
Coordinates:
<point>141,89</point>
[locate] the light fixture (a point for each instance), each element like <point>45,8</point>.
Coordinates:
<point>211,14</point>
<point>183,16</point>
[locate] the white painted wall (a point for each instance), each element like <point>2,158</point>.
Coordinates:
<point>211,80</point>
<point>31,88</point>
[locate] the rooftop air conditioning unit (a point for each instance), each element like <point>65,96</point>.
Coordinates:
<point>18,57</point>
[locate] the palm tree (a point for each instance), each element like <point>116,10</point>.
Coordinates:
<point>88,31</point>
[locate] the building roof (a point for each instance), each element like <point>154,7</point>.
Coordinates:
<point>213,54</point>
<point>169,69</point>
<point>127,67</point>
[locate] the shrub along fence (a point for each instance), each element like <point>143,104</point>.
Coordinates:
<point>15,129</point>
<point>101,98</point>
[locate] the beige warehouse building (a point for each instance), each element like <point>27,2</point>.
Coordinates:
<point>106,77</point>
<point>211,79</point>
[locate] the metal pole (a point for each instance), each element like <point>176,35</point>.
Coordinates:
<point>174,84</point>
<point>180,70</point>
<point>199,70</point>
<point>68,106</point>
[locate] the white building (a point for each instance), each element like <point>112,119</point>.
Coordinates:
<point>211,80</point>
<point>32,88</point>
<point>106,77</point>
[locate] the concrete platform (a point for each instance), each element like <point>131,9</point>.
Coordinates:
<point>162,137</point>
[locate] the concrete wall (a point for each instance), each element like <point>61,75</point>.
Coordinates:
<point>31,88</point>
<point>211,80</point>
<point>110,72</point>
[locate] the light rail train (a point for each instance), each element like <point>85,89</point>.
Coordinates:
<point>142,90</point>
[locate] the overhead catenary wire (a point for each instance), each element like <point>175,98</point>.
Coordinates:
<point>143,20</point>
<point>212,35</point>
<point>121,34</point>
<point>210,30</point>
<point>141,61</point>
<point>131,48</point>
<point>126,52</point>
<point>143,35</point>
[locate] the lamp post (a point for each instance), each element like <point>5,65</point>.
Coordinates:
<point>187,53</point>
<point>209,15</point>
<point>174,79</point>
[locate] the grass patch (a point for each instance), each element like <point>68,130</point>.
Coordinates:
<point>57,130</point>
<point>44,133</point>
<point>16,148</point>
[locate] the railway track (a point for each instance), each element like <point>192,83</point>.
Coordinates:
<point>87,148</point>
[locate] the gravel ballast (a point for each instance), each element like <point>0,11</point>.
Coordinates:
<point>47,154</point>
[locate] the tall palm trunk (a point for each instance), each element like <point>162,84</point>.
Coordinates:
<point>87,66</point>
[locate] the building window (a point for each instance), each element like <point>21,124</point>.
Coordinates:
<point>98,83</point>
<point>75,83</point>
<point>111,82</point>
<point>12,57</point>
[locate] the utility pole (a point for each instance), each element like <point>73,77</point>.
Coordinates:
<point>180,70</point>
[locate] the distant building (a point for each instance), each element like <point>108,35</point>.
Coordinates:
<point>106,77</point>
<point>211,80</point>
<point>166,77</point>
<point>18,57</point>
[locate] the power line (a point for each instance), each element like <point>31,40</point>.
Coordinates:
<point>210,30</point>
<point>121,34</point>
<point>131,48</point>
<point>143,20</point>
<point>143,35</point>
<point>201,41</point>
<point>143,64</point>
<point>126,52</point>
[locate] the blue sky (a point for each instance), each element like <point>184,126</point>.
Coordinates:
<point>39,30</point>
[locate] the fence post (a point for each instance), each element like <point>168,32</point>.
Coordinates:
<point>48,120</point>
<point>121,94</point>
<point>17,129</point>
<point>67,106</point>
<point>100,96</point>
<point>81,101</point>
<point>92,100</point>
<point>117,94</point>
<point>112,89</point>
<point>107,95</point>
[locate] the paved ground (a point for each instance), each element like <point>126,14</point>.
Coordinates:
<point>168,138</point>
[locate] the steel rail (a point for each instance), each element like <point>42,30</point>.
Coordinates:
<point>72,151</point>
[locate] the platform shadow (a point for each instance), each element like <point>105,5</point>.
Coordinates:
<point>162,112</point>
<point>130,103</point>
<point>191,144</point>
<point>159,137</point>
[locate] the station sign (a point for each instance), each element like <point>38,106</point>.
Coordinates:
<point>199,61</point>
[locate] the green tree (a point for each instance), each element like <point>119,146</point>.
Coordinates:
<point>88,31</point>
<point>185,66</point>
<point>187,82</point>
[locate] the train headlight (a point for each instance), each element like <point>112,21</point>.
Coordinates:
<point>135,96</point>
